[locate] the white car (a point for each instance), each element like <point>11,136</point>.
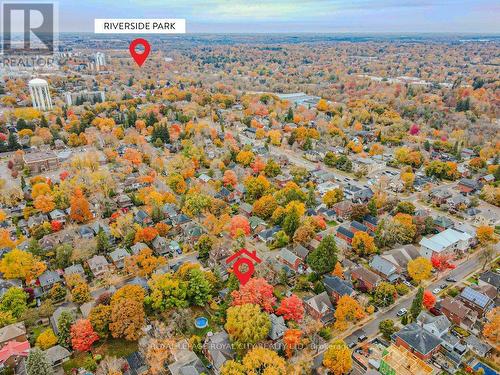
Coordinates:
<point>436,291</point>
<point>402,312</point>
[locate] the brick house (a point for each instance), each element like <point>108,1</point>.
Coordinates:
<point>458,313</point>
<point>320,307</point>
<point>288,258</point>
<point>342,209</point>
<point>417,340</point>
<point>365,278</point>
<point>41,161</point>
<point>345,234</point>
<point>336,287</point>
<point>476,300</point>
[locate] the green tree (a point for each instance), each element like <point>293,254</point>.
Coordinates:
<point>291,222</point>
<point>64,323</point>
<point>38,364</point>
<point>199,288</point>
<point>324,257</point>
<point>103,245</point>
<point>204,245</point>
<point>384,295</point>
<point>416,305</point>
<point>387,328</point>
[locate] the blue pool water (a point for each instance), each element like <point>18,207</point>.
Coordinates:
<point>487,370</point>
<point>201,322</point>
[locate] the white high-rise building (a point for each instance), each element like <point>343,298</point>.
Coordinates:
<point>40,94</point>
<point>100,60</point>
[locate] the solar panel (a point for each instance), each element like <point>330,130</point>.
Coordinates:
<point>476,297</point>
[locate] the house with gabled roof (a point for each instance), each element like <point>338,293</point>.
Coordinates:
<point>384,268</point>
<point>48,279</point>
<point>458,313</point>
<point>160,245</point>
<point>218,350</point>
<point>136,248</point>
<point>118,257</point>
<point>98,265</point>
<point>365,279</point>
<point>448,241</point>
<point>288,258</point>
<point>12,332</point>
<point>278,327</point>
<point>436,325</point>
<point>320,307</point>
<point>476,300</point>
<point>336,287</point>
<point>346,234</point>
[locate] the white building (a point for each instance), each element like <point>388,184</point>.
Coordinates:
<point>100,60</point>
<point>445,242</point>
<point>40,94</point>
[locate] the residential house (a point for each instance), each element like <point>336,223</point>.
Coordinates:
<point>439,195</point>
<point>288,258</point>
<point>54,319</point>
<point>301,252</point>
<point>320,307</point>
<point>267,235</point>
<point>142,218</point>
<point>160,245</point>
<point>48,279</point>
<point>124,201</point>
<point>278,327</point>
<point>86,232</point>
<point>41,161</point>
<point>186,362</point>
<point>136,364</point>
<point>476,300</point>
<point>245,209</point>
<point>12,353</point>
<point>57,355</point>
<point>418,341</point>
<point>436,325</point>
<point>75,269</point>
<point>478,346</point>
<point>138,247</point>
<point>118,257</point>
<point>384,268</point>
<point>449,241</point>
<point>345,234</point>
<point>468,186</point>
<point>458,313</point>
<point>12,332</point>
<point>217,349</point>
<point>365,279</point>
<point>442,223</point>
<point>401,256</point>
<point>490,278</point>
<point>257,225</point>
<point>371,222</point>
<point>98,265</point>
<point>57,215</point>
<point>336,287</point>
<point>343,209</point>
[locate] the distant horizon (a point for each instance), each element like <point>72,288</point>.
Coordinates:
<point>291,16</point>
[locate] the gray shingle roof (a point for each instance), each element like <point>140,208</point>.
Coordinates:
<point>382,266</point>
<point>418,338</point>
<point>337,285</point>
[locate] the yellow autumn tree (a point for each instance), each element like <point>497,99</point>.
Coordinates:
<point>337,358</point>
<point>19,264</point>
<point>419,269</point>
<point>46,339</point>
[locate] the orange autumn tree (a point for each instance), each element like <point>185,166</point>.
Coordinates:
<point>5,240</point>
<point>146,234</point>
<point>44,203</point>
<point>338,271</point>
<point>486,235</point>
<point>429,300</point>
<point>143,263</point>
<point>239,226</point>
<point>292,308</point>
<point>491,329</point>
<point>348,311</point>
<point>230,178</point>
<point>80,207</point>
<point>83,335</point>
<point>291,339</point>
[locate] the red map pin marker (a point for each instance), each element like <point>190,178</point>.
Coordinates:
<point>139,57</point>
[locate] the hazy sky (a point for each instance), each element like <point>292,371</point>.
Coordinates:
<point>481,16</point>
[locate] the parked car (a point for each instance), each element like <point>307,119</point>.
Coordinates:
<point>436,290</point>
<point>451,279</point>
<point>402,312</point>
<point>443,286</point>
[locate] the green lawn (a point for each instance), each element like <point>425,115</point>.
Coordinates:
<point>76,361</point>
<point>115,348</point>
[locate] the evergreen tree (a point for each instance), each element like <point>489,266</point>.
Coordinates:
<point>427,145</point>
<point>43,122</point>
<point>372,207</point>
<point>151,119</point>
<point>311,197</point>
<point>103,245</point>
<point>416,305</point>
<point>12,143</point>
<point>59,121</point>
<point>64,327</point>
<point>291,222</point>
<point>37,363</point>
<point>35,248</point>
<point>289,115</point>
<point>324,257</point>
<point>160,132</point>
<point>23,183</point>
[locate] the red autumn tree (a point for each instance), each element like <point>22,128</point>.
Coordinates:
<point>257,292</point>
<point>292,308</point>
<point>83,335</point>
<point>258,165</point>
<point>239,226</point>
<point>63,175</point>
<point>80,208</point>
<point>56,226</point>
<point>429,300</point>
<point>442,262</point>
